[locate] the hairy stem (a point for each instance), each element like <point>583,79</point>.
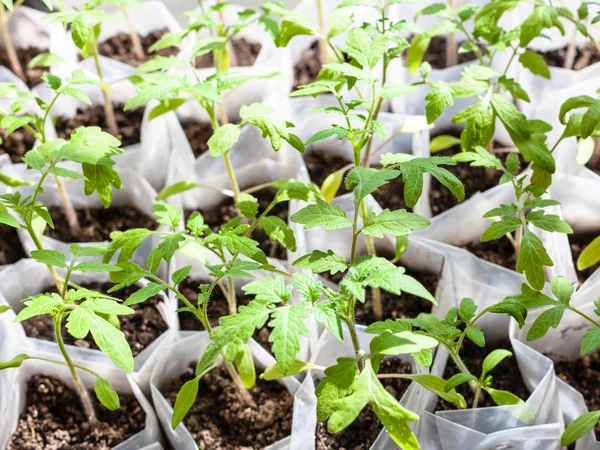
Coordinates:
<point>109,113</point>
<point>135,39</point>
<point>85,398</point>
<point>476,399</point>
<point>231,298</point>
<point>8,44</point>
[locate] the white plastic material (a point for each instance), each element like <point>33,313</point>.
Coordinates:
<point>176,360</point>
<point>498,427</point>
<point>13,382</point>
<point>28,277</point>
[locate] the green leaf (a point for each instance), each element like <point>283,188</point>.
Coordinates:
<point>170,244</point>
<point>322,213</point>
<point>366,49</point>
<point>401,343</point>
<point>532,259</point>
<point>185,400</point>
<point>248,205</point>
<point>365,181</point>
<point>443,142</point>
<point>467,309</point>
<point>175,188</point>
<point>161,63</point>
<point>440,387</point>
<point>590,255</point>
<point>50,257</point>
<point>479,157</point>
<point>579,427</point>
<point>457,380</point>
<point>245,366</point>
<point>15,362</point>
<point>326,314</point>
<point>476,336</point>
<point>331,185</point>
<point>4,308</point>
<point>278,231</point>
<point>106,394</point>
<point>396,223</point>
<point>148,291</point>
<point>590,120</point>
<point>541,17</point>
<point>165,106</point>
<point>549,222</point>
<point>319,262</point>
<point>62,172</point>
<point>437,98</point>
<point>96,267</point>
<point>511,307</point>
<point>80,32</point>
<point>274,372</point>
<point>110,340</point>
<point>339,21</point>
<point>269,290</point>
<point>499,229</point>
<point>245,246</point>
<point>390,90</point>
<point>287,327</point>
<point>591,341</point>
<point>492,360</point>
<point>223,139</point>
<point>295,25</point>
<point>503,398</point>
<point>535,63</point>
<point>337,383</point>
<point>45,60</point>
<point>350,71</point>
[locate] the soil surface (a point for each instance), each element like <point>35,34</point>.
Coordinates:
<point>361,434</point>
<point>53,419</point>
<point>220,419</point>
<point>96,224</point>
<point>506,375</point>
<point>436,53</point>
<point>129,123</point>
<point>120,47</point>
<point>198,134</point>
<point>578,242</point>
<point>140,329</point>
<point>33,77</point>
<point>16,144</point>
<point>217,307</point>
<point>405,306</point>
<point>308,67</point>
<point>594,162</point>
<point>584,57</point>
<point>499,252</point>
<point>244,54</point>
<point>227,211</point>
<point>474,179</point>
<point>582,374</point>
<point>11,249</point>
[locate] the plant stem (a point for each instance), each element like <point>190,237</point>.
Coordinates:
<point>323,42</point>
<point>585,316</point>
<point>68,206</point>
<point>451,42</point>
<point>235,376</point>
<point>355,342</point>
<point>231,298</point>
<point>85,399</point>
<point>111,122</point>
<point>232,179</point>
<point>8,44</point>
<point>570,55</point>
<point>135,39</point>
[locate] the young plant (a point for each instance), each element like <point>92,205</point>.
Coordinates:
<point>135,39</point>
<point>96,166</point>
<point>85,26</point>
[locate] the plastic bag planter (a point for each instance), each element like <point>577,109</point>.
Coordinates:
<point>176,360</point>
<point>328,350</point>
<point>28,277</point>
<point>495,428</point>
<point>13,383</point>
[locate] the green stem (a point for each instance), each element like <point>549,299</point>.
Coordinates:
<point>232,179</point>
<point>109,113</point>
<point>585,316</point>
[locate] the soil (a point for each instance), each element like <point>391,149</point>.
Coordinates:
<point>217,307</point>
<point>436,53</point>
<point>405,306</point>
<point>584,57</point>
<point>578,242</point>
<point>506,375</point>
<point>227,211</point>
<point>499,252</point>
<point>308,67</point>
<point>120,47</point>
<point>129,123</point>
<point>582,374</point>
<point>198,134</point>
<point>594,162</point>
<point>33,77</point>
<point>96,224</point>
<point>220,419</point>
<point>53,419</point>
<point>474,179</point>
<point>245,53</point>
<point>363,432</point>
<point>16,144</point>
<point>140,329</point>
<point>10,247</point>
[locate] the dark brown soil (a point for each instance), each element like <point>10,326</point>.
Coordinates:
<point>394,307</point>
<point>308,67</point>
<point>129,122</point>
<point>582,374</point>
<point>140,329</point>
<point>584,57</point>
<point>594,162</point>
<point>217,307</point>
<point>499,252</point>
<point>96,224</point>
<point>33,77</point>
<point>198,134</point>
<point>16,144</point>
<point>53,419</point>
<point>10,247</point>
<point>578,242</point>
<point>220,419</point>
<point>245,53</point>
<point>506,376</point>
<point>474,179</point>
<point>363,432</point>
<point>120,47</point>
<point>436,53</point>
<point>215,218</point>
